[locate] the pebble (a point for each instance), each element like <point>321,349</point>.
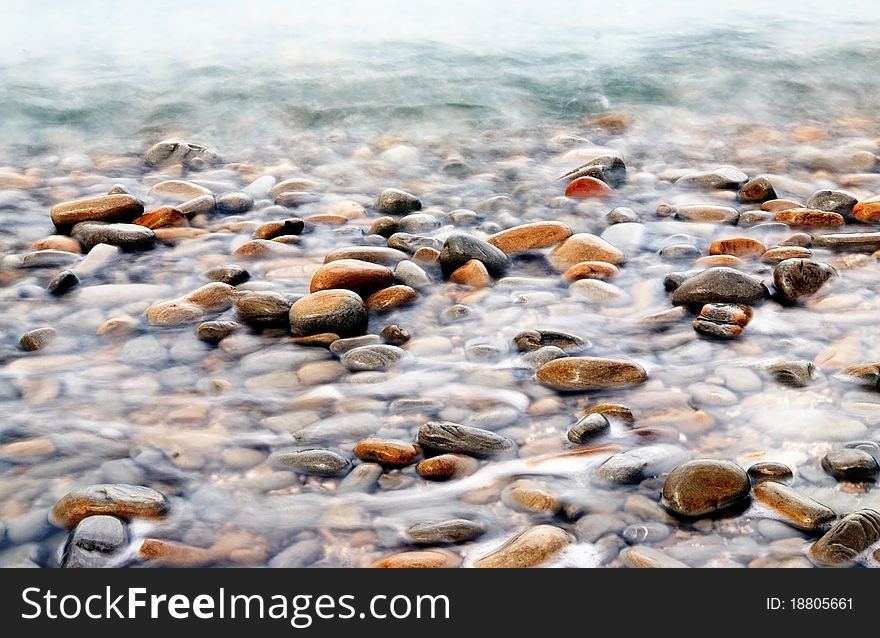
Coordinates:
<point>722,320</point>
<point>634,466</point>
<point>300,554</point>
<point>445,436</point>
<point>867,374</point>
<point>453,530</point>
<point>293,199</point>
<point>103,208</point>
<point>393,201</point>
<point>702,213</point>
<point>796,509</point>
<point>851,464</point>
<point>723,177</point>
<point>587,187</point>
<point>867,210</point>
<point>756,190</point>
<point>621,215</point>
<point>216,331</point>
<point>809,217</point>
<point>842,545</point>
<point>848,241</point>
<point>798,278</point>
<point>49,259</point>
<point>530,548</point>
<point>188,154</point>
<point>798,373</point>
<point>263,309</point>
<point>63,282</point>
<point>650,532</point>
<point>833,201</point>
<point>410,243</point>
<point>590,270</point>
<point>719,284</point>
<point>737,246</point>
<point>37,339</point>
<point>390,298</point>
<point>776,255</point>
<point>163,217</point>
<point>608,168</point>
<point>871,447</point>
<point>341,346</point>
<point>234,202</point>
<point>588,428</point>
<point>279,228</point>
<point>612,411</point>
<point>347,426</point>
<point>57,242</point>
<point>316,462</point>
<point>394,335</point>
<point>531,340</point>
<point>92,540</point>
<point>532,236</point>
<point>362,277</point>
<point>374,254</point>
<point>703,487</point>
<point>769,471</point>
<point>231,274</point>
<point>473,273</point>
<point>124,236</point>
<point>201,205</point>
<point>428,558</point>
<point>447,466</point>
<point>371,357</point>
<point>679,252</point>
<point>178,189</point>
<point>387,452</point>
<point>120,500</point>
<point>291,184</point>
<point>460,248</point>
<point>590,373</point>
<point>649,557</point>
<point>341,312</point>
<point>584,247</point>
<point>363,478</point>
<point>384,227</point>
<point>411,274</point>
<point>418,223</point>
<point>530,497</point>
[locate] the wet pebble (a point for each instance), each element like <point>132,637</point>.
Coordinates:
<point>532,236</point>
<point>703,487</point>
<point>445,436</point>
<point>530,497</point>
<point>388,452</point>
<point>362,478</point>
<point>584,247</point>
<point>769,471</point>
<point>460,248</point>
<point>833,201</point>
<point>794,508</point>
<point>92,540</point>
<point>756,191</point>
<point>358,276</point>
<point>590,373</point>
<point>530,340</point>
<point>536,358</point>
<point>867,211</point>
<point>866,374</point>
<point>124,236</point>
<point>588,428</point>
<point>453,530</point>
<point>843,544</point>
<point>123,501</point>
<point>719,284</point>
<point>724,177</point>
<point>650,532</point>
<point>590,270</point>
<point>49,259</point>
<point>37,339</point>
<point>103,208</point>
<point>738,246</point>
<point>447,466</point>
<point>851,464</point>
<point>428,558</point>
<point>263,309</point>
<point>679,252</point>
<point>621,215</point>
<point>530,548</point>
<point>216,331</point>
<point>374,254</point>
<point>394,335</point>
<point>809,217</point>
<point>390,298</point>
<point>587,187</point>
<point>393,201</point>
<point>230,274</point>
<point>371,357</point>
<point>341,312</point>
<point>473,273</point>
<point>162,217</point>
<point>700,213</point>
<point>798,278</point>
<point>608,168</point>
<point>722,320</point>
<point>649,557</point>
<point>776,255</point>
<point>279,228</point>
<point>317,462</point>
<point>633,466</point>
<point>234,202</point>
<point>794,373</point>
<point>189,154</point>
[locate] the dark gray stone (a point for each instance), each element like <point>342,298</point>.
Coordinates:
<point>216,331</point>
<point>63,282</point>
<point>125,236</point>
<point>263,309</point>
<point>459,248</point>
<point>798,278</point>
<point>679,252</point>
<point>455,530</point>
<point>719,284</point>
<point>393,201</point>
<point>314,461</point>
<point>588,428</point>
<point>769,471</point>
<point>231,274</point>
<point>530,340</point>
<point>851,464</point>
<point>409,243</point>
<point>717,178</point>
<point>833,201</point>
<point>445,436</point>
<point>633,466</point>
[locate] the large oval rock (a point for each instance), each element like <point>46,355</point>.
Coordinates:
<point>590,373</point>
<point>317,462</point>
<point>120,500</point>
<point>445,436</point>
<point>703,487</point>
<point>809,217</point>
<point>796,509</point>
<point>530,548</point>
<point>125,236</point>
<point>584,247</point>
<point>459,248</point>
<point>797,278</point>
<point>851,464</point>
<point>341,312</point>
<point>533,236</point>
<point>843,543</point>
<point>103,208</point>
<point>719,284</point>
<point>362,277</point>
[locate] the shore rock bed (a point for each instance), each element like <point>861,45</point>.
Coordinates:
<point>569,354</point>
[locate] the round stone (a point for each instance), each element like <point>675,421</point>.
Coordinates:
<point>584,247</point>
<point>341,312</point>
<point>798,278</point>
<point>533,236</point>
<point>428,558</point>
<point>63,282</point>
<point>389,452</point>
<point>393,201</point>
<point>737,246</point>
<point>374,254</point>
<point>588,428</point>
<point>530,340</point>
<point>447,466</point>
<point>189,154</point>
<point>798,374</point>
<point>371,357</point>
<point>99,534</point>
<point>473,273</point>
<point>722,320</point>
<point>867,211</point>
<point>362,277</point>
<point>719,284</point>
<point>703,487</point>
<point>459,248</point>
<point>120,500</point>
<point>454,530</point>
<point>103,208</point>
<point>384,227</point>
<point>37,339</point>
<point>832,201</point>
<point>724,177</point>
<point>390,298</point>
<point>263,309</point>
<point>531,498</point>
<point>587,187</point>
<point>445,436</point>
<point>590,270</point>
<point>318,462</point>
<point>216,331</point>
<point>851,464</point>
<point>701,213</point>
<point>769,471</point>
<point>394,335</point>
<point>590,373</point>
<point>234,202</point>
<point>756,191</point>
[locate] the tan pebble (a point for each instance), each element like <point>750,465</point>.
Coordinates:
<point>447,466</point>
<point>174,233</point>
<point>105,208</point>
<point>281,227</point>
<point>320,340</point>
<point>590,270</point>
<point>649,557</point>
<point>162,217</point>
<point>178,189</point>
<point>362,277</point>
<point>776,205</point>
<point>390,298</point>
<point>429,558</point>
<point>583,247</point>
<point>775,255</point>
<point>530,497</point>
<point>426,256</point>
<point>611,411</point>
<point>173,313</point>
<point>118,326</point>
<point>530,548</point>
<point>320,372</point>
<point>533,236</point>
<point>809,217</point>
<point>173,554</point>
<point>615,123</point>
<point>737,246</point>
<point>326,218</point>
<point>292,184</point>
<point>546,406</point>
<point>598,290</point>
<point>808,133</point>
<point>213,297</point>
<point>27,449</point>
<point>188,414</point>
<point>710,261</point>
<point>390,452</point>
<point>473,273</point>
<point>57,242</point>
<point>347,208</point>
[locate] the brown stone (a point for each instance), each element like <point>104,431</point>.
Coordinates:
<point>391,298</point>
<point>427,558</point>
<point>809,217</point>
<point>326,218</point>
<point>362,277</point>
<point>590,270</point>
<point>722,320</point>
<point>279,228</point>
<point>173,233</point>
<point>703,213</point>
<point>842,545</point>
<point>447,466</point>
<point>178,189</point>
<point>796,509</point>
<point>584,247</point>
<point>533,236</point>
<point>703,487</point>
<point>769,471</point>
<point>426,256</point>
<point>27,449</point>
<point>123,501</point>
<point>473,274</point>
<point>161,218</point>
<point>37,339</point>
<point>775,255</point>
<point>756,190</point>
<point>738,246</point>
<point>57,242</point>
<point>374,254</point>
<point>338,311</point>
<point>776,205</point>
<point>292,184</point>
<point>649,558</point>
<point>588,187</point>
<point>262,248</point>
<point>103,208</point>
<point>388,452</point>
<point>728,261</point>
<point>589,373</point>
<point>529,497</point>
<point>171,553</point>
<point>867,210</point>
<point>611,411</point>
<point>530,548</point>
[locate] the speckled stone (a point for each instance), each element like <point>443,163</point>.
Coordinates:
<point>809,217</point>
<point>37,339</point>
<point>769,471</point>
<point>426,558</point>
<point>589,373</point>
<point>189,154</point>
<point>393,201</point>
<point>445,436</point>
<point>796,509</point>
<point>719,284</point>
<point>851,464</point>
<point>842,545</point>
<point>317,462</point>
<point>703,487</point>
<point>530,548</point>
<point>231,274</point>
<point>756,190</point>
<point>738,246</point>
<point>834,201</point>
<point>588,428</point>
<point>722,320</point>
<point>63,282</point>
<point>92,542</point>
<point>798,278</point>
<point>341,312</point>
<point>371,357</point>
<point>454,530</point>
<point>122,501</point>
<point>447,466</point>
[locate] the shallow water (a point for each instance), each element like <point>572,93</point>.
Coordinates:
<point>358,100</point>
